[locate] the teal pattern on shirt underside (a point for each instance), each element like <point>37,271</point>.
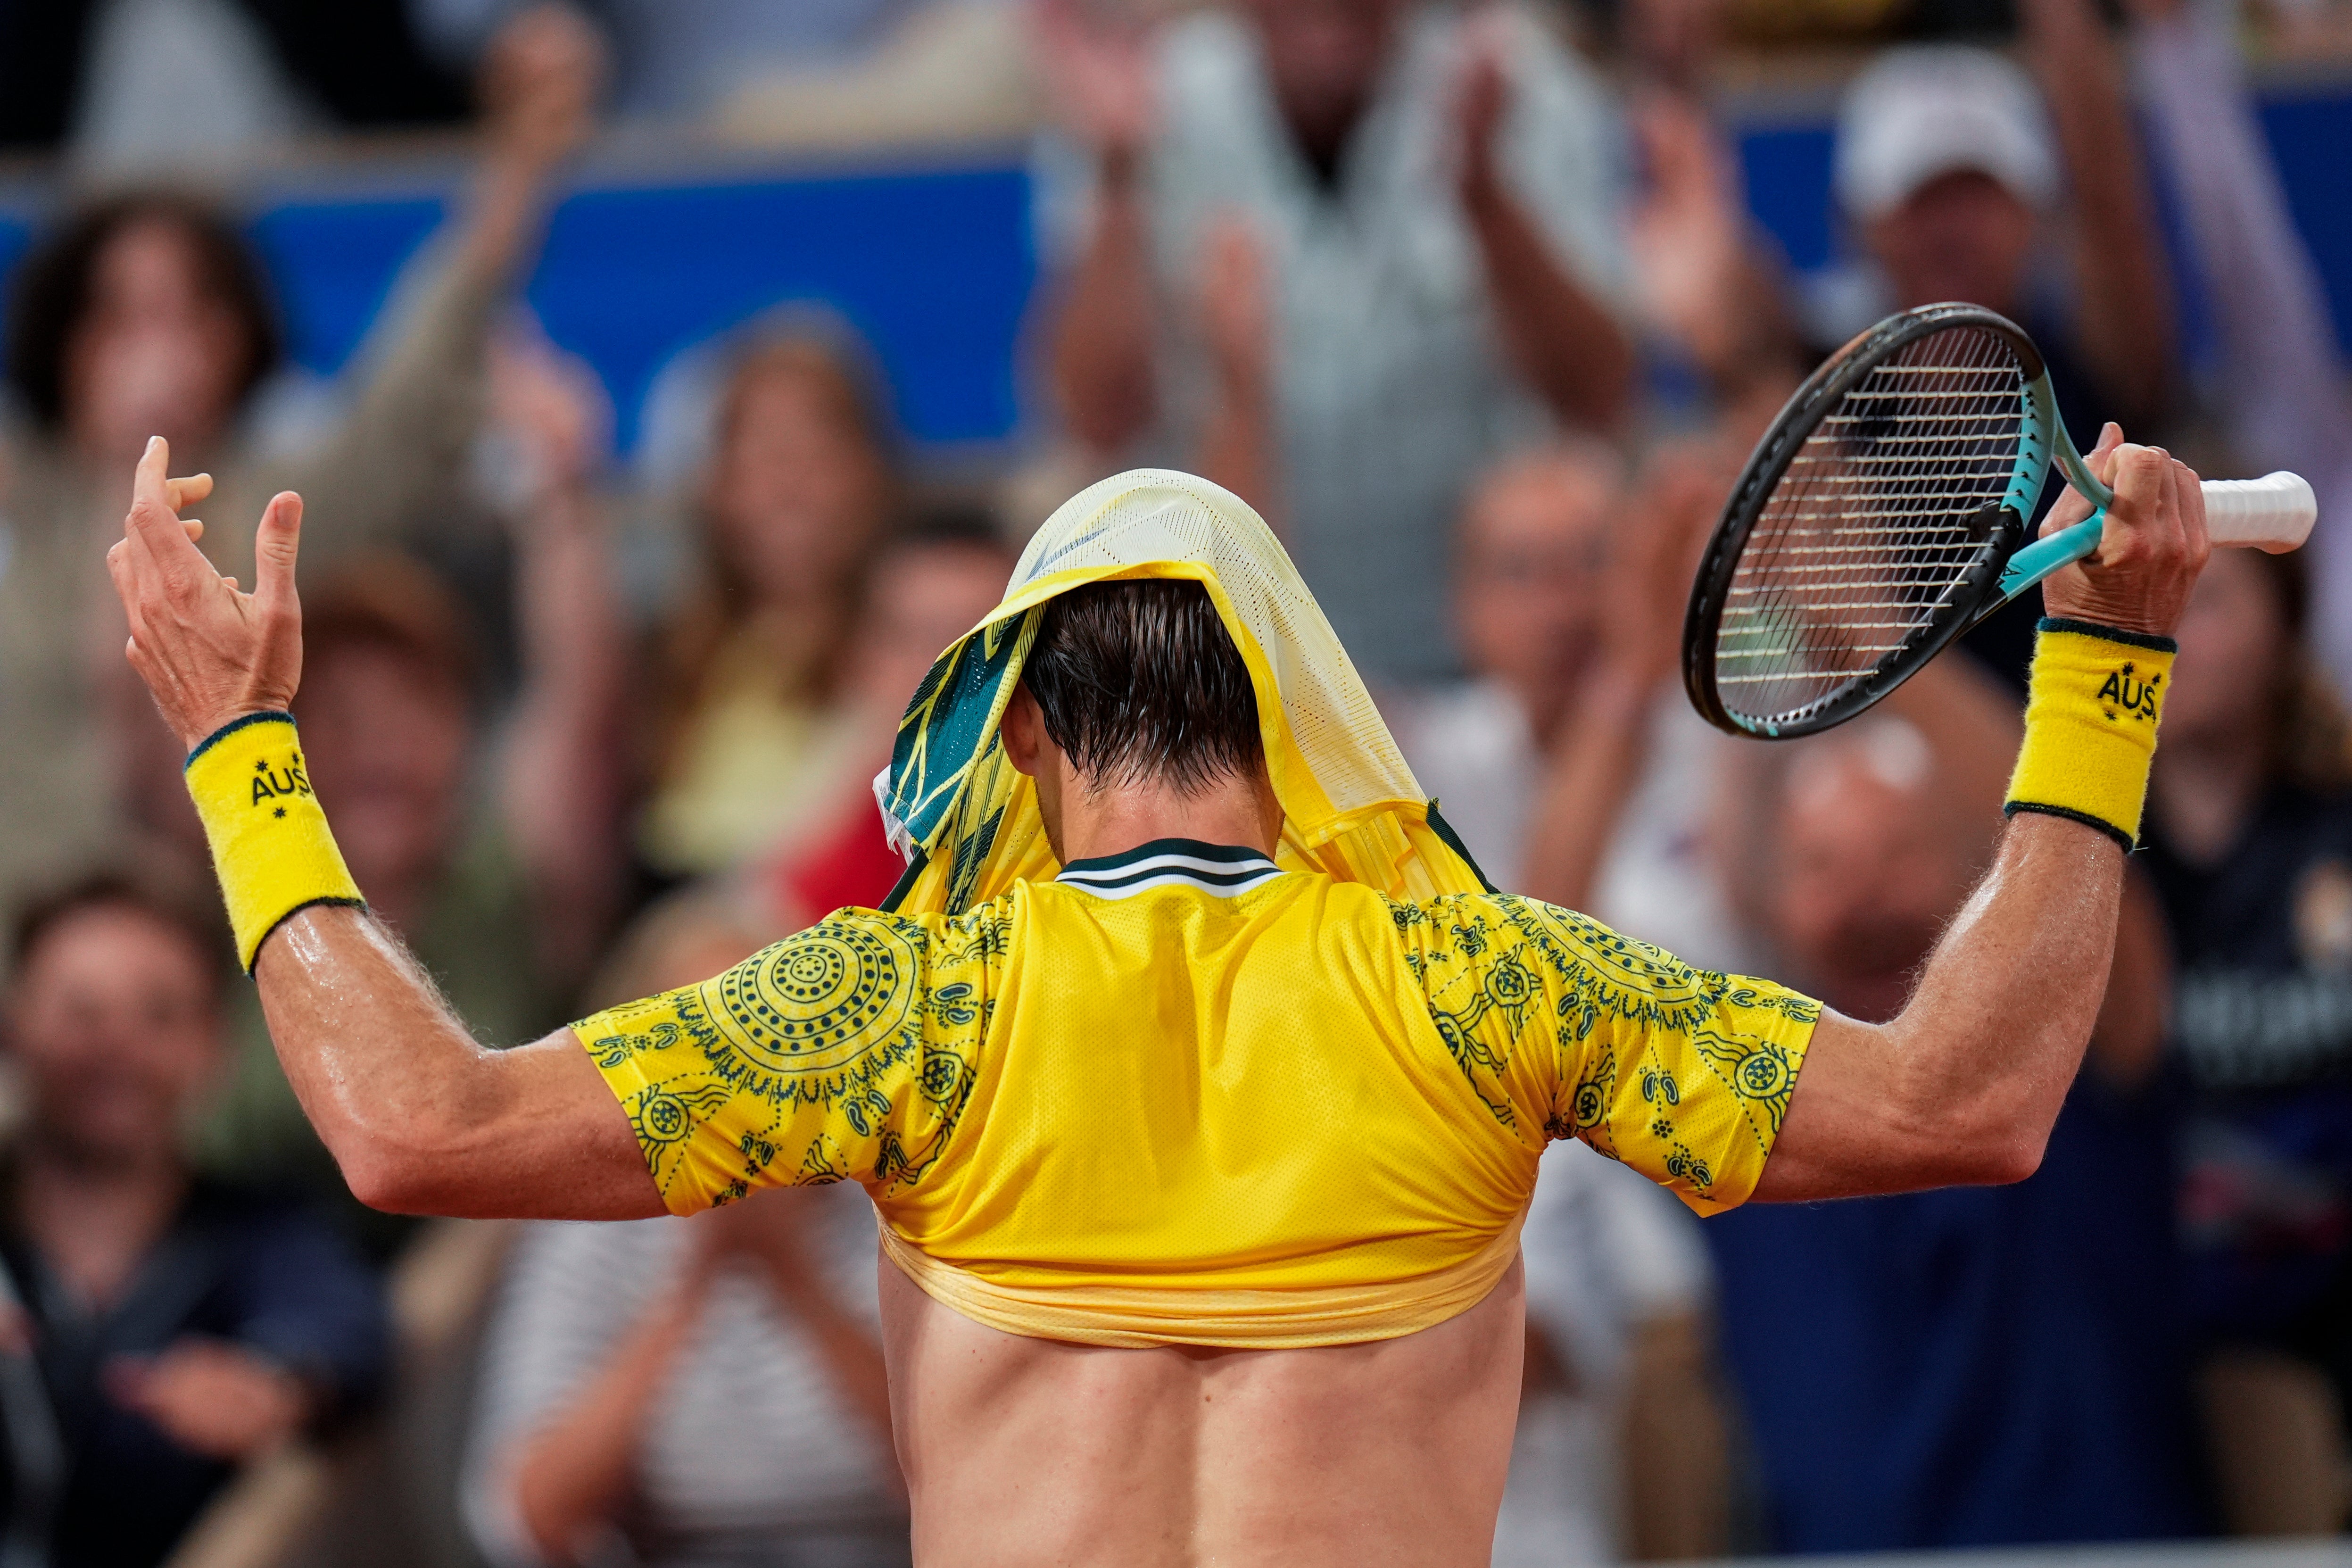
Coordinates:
<point>949,726</point>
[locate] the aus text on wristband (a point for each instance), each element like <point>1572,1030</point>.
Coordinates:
<point>2091,716</point>
<point>271,844</point>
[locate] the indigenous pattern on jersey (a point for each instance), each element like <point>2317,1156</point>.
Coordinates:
<point>1181,1095</point>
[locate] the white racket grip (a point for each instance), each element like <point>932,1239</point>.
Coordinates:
<point>2274,513</point>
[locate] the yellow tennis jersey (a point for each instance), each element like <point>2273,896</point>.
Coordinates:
<point>1182,1096</point>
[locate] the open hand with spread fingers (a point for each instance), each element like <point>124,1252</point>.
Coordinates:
<point>208,651</point>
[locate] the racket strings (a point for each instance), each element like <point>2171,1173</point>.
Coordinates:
<point>1874,524</point>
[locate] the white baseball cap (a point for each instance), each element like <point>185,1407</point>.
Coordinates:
<point>1930,110</point>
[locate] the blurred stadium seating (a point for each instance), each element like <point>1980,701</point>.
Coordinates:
<point>641,265</point>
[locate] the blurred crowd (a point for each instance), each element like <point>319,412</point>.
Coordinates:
<point>1467,300</point>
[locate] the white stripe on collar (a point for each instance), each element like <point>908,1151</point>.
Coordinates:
<point>1225,872</point>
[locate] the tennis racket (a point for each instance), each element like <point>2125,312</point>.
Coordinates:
<point>1886,512</point>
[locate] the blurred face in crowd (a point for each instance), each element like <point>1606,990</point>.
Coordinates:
<point>797,487</point>
<point>156,352</point>
<point>923,597</point>
<point>1527,584</point>
<point>1963,235</point>
<point>2233,642</point>
<point>1324,57</point>
<point>387,740</point>
<point>1870,866</point>
<point>115,1023</point>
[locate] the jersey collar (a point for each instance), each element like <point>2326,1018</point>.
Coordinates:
<point>1225,869</point>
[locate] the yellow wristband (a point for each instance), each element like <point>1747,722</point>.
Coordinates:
<point>271,844</point>
<point>2090,725</point>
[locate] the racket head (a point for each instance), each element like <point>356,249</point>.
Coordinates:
<point>1871,524</point>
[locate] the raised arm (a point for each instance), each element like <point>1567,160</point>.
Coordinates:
<point>1965,1084</point>
<point>2125,326</point>
<point>420,406</point>
<point>1571,350</point>
<point>1605,745</point>
<point>1238,446</point>
<point>564,779</point>
<point>1103,337</point>
<point>419,1116</point>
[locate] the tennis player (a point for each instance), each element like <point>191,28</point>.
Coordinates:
<point>1198,1082</point>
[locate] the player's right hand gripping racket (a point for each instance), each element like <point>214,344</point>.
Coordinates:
<point>1885,513</point>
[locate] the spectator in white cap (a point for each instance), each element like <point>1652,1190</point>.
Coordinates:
<point>1964,181</point>
<point>1944,157</point>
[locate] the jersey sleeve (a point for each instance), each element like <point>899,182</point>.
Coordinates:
<point>845,1053</point>
<point>1565,1027</point>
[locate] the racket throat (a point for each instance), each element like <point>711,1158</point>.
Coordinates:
<point>2038,560</point>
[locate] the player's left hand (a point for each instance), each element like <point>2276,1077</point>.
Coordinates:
<point>208,652</point>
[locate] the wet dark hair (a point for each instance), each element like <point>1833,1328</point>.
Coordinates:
<point>52,293</point>
<point>195,920</point>
<point>1140,681</point>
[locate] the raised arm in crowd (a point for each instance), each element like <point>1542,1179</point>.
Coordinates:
<point>1108,341</point>
<point>147,313</point>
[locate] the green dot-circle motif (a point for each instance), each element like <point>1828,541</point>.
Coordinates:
<point>1763,1075</point>
<point>1509,984</point>
<point>663,1117</point>
<point>816,1003</point>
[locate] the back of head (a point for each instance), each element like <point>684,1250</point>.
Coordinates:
<point>1138,682</point>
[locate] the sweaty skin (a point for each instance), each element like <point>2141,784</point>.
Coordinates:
<point>1024,1450</point>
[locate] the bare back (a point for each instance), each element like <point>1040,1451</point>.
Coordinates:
<point>1039,1451</point>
